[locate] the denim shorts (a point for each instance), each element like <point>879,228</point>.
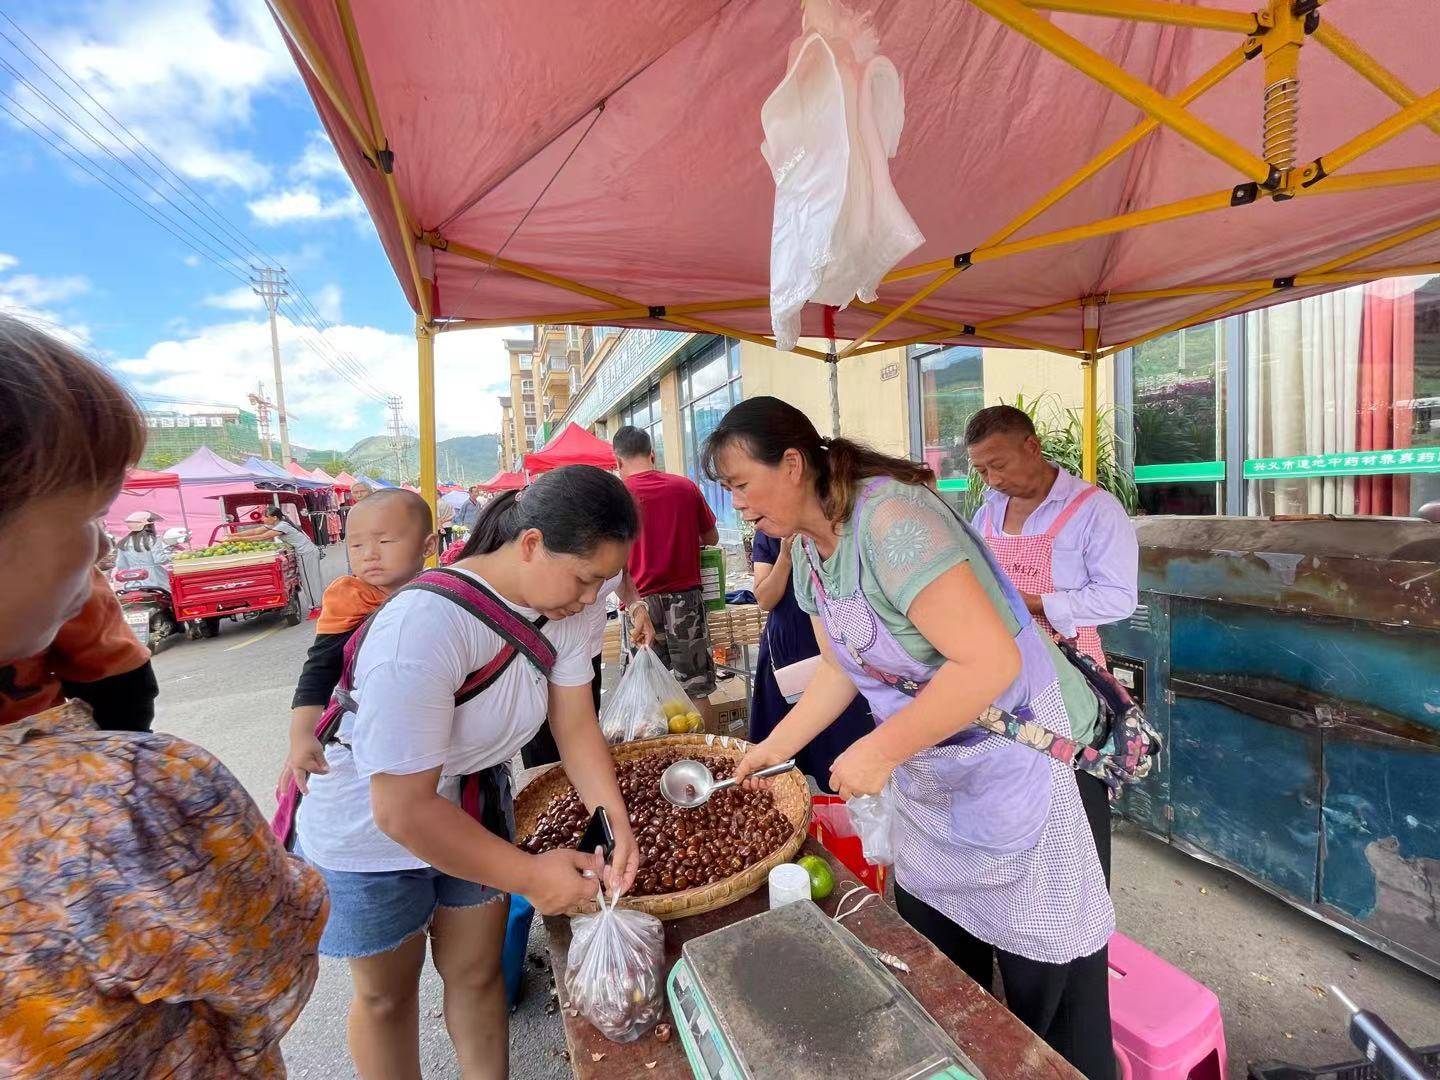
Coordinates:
<point>372,913</point>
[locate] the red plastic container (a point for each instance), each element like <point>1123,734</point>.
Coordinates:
<point>830,826</point>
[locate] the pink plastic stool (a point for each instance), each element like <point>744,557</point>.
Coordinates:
<point>1166,1025</point>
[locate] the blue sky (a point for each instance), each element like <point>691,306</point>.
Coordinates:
<point>211,88</point>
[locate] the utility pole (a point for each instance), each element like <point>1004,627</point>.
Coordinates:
<point>262,413</point>
<point>269,285</point>
<point>395,403</point>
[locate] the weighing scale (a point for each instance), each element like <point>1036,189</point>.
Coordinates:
<point>790,994</point>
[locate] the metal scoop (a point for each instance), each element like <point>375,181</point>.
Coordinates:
<point>688,784</point>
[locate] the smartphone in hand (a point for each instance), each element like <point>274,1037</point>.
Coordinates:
<point>598,834</point>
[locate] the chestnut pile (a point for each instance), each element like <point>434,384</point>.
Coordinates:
<point>679,849</point>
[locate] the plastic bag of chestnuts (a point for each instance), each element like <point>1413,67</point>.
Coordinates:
<point>614,971</point>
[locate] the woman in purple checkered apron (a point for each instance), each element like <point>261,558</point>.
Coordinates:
<point>994,859</point>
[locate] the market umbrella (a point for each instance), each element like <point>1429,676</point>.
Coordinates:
<point>573,445</point>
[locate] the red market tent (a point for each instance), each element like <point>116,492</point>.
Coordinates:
<point>1088,174</point>
<point>145,480</point>
<point>572,446</point>
<point>504,481</point>
<point>344,481</point>
<point>318,473</point>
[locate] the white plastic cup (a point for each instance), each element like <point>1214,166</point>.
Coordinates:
<point>788,883</point>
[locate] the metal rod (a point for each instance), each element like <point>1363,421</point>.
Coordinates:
<point>1158,11</point>
<point>1140,94</point>
<point>1368,69</point>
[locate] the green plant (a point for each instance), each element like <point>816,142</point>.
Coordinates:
<point>1062,440</point>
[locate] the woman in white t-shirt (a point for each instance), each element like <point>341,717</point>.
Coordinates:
<point>383,824</point>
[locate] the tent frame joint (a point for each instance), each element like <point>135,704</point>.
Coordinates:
<point>1283,282</point>
<point>385,159</point>
<point>657,311</point>
<point>1314,173</point>
<point>962,261</point>
<point>1244,194</point>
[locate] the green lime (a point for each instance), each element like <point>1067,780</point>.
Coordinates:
<point>822,881</point>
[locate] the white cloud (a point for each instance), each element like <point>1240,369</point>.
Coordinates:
<point>327,302</point>
<point>318,161</point>
<point>30,296</point>
<point>241,298</point>
<point>472,372</point>
<point>191,261</point>
<point>225,362</point>
<point>182,77</point>
<point>32,290</point>
<point>305,203</point>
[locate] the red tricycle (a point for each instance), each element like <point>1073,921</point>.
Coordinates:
<point>234,578</point>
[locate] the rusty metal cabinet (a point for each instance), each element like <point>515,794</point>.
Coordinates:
<point>1294,667</point>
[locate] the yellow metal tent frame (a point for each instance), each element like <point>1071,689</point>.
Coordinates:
<point>1274,34</point>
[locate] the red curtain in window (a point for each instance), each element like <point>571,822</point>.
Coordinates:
<point>1387,376</point>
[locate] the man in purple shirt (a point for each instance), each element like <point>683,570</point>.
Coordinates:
<point>1068,546</point>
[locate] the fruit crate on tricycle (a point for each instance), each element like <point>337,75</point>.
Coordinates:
<point>234,578</point>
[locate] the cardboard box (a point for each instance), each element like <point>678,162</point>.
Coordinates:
<point>727,710</point>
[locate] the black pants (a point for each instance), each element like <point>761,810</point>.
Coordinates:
<point>541,749</point>
<point>1067,1005</point>
<point>1095,797</point>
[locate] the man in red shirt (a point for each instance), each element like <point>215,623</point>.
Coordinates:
<point>675,522</point>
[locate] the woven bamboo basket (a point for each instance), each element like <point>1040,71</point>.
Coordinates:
<point>792,798</point>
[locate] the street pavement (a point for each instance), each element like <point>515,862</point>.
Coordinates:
<point>1269,965</point>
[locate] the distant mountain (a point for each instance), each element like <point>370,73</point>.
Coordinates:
<point>467,458</point>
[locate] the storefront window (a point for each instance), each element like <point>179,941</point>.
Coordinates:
<point>1341,384</point>
<point>709,388</point>
<point>643,412</point>
<point>951,382</point>
<point>1178,412</point>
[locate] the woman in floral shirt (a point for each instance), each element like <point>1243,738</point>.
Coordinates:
<point>149,924</point>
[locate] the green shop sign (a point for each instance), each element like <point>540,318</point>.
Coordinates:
<point>1363,463</point>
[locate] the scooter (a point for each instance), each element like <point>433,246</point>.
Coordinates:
<point>148,609</point>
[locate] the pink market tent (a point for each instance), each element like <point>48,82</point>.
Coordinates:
<point>204,473</point>
<point>1087,173</point>
<point>320,474</point>
<point>344,481</point>
<point>572,446</point>
<point>504,481</point>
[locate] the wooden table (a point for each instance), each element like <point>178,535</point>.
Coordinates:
<point>999,1044</point>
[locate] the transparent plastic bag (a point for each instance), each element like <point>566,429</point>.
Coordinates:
<point>614,971</point>
<point>872,816</point>
<point>645,701</point>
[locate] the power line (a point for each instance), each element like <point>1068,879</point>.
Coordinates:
<point>228,255</point>
<point>170,175</point>
<point>225,251</point>
<point>61,145</point>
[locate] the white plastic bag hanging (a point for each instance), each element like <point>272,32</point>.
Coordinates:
<point>645,702</point>
<point>614,971</point>
<point>831,127</point>
<point>873,817</point>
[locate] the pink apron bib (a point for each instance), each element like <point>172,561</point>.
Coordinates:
<point>1029,561</point>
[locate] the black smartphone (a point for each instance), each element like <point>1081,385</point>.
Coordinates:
<point>598,834</point>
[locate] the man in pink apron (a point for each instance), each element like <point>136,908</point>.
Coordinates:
<point>1067,546</point>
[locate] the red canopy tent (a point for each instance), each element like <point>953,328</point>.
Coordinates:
<point>146,480</point>
<point>504,481</point>
<point>344,481</point>
<point>572,446</point>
